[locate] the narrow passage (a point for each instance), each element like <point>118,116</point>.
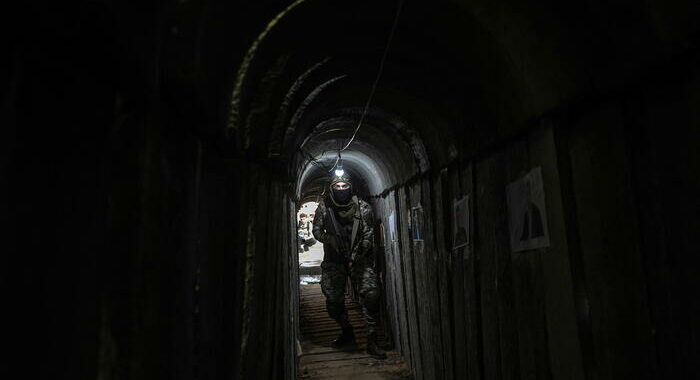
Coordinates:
<point>320,361</point>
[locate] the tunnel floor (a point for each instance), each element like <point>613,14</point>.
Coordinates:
<point>318,360</point>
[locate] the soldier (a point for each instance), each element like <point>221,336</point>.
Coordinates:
<point>344,225</point>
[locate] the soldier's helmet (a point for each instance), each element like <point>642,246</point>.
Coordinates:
<point>341,190</point>
<point>338,179</point>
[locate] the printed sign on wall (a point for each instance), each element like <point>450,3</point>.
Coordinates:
<point>460,222</point>
<point>416,223</point>
<point>392,227</point>
<point>527,215</point>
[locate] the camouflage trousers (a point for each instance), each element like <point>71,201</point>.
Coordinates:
<point>364,280</point>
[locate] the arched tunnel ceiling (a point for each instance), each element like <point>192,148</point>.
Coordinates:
<point>526,56</point>
<point>315,81</point>
<point>460,74</point>
<point>411,81</point>
<point>367,174</point>
<point>377,158</point>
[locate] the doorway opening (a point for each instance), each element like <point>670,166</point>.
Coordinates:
<point>310,250</point>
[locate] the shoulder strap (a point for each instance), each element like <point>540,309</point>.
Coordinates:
<point>356,221</point>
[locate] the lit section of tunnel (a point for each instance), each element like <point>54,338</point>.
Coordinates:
<point>303,88</point>
<point>374,160</point>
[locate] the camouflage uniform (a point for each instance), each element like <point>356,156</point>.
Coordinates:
<point>335,266</point>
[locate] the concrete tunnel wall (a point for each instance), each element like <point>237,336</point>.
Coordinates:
<point>151,151</point>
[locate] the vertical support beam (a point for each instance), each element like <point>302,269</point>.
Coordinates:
<point>498,312</point>
<point>442,279</point>
<point>407,264</point>
<point>471,295</point>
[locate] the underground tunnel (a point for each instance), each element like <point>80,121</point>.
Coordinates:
<point>525,175</point>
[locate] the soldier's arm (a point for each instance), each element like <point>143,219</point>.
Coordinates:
<point>319,230</point>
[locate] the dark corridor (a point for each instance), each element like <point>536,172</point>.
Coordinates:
<point>532,169</point>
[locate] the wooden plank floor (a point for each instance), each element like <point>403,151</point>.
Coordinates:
<point>320,361</point>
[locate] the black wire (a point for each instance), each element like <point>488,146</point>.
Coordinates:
<point>313,159</point>
<point>376,80</point>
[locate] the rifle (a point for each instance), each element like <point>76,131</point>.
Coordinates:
<point>340,235</point>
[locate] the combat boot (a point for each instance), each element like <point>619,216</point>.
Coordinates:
<point>372,348</point>
<point>346,338</point>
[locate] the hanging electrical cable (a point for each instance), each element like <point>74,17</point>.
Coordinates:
<point>314,160</point>
<point>338,164</point>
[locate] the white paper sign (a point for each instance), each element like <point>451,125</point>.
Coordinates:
<point>416,223</point>
<point>392,227</point>
<point>460,222</point>
<point>527,215</point>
